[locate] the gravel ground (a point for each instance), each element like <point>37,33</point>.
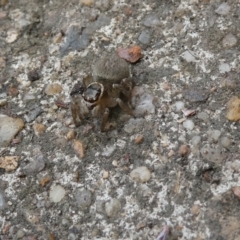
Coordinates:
<point>171,172</point>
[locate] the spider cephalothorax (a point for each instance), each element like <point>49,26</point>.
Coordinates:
<point>98,99</point>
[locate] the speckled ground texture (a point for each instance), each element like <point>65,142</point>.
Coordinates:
<point>186,163</point>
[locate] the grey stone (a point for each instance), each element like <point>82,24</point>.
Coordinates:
<point>140,174</point>
<point>37,164</point>
<point>229,41</point>
<point>20,234</point>
<point>83,198</point>
<point>145,36</point>
<point>223,9</point>
<point>113,207</point>
<point>226,142</point>
<point>196,140</point>
<point>195,95</point>
<point>212,154</point>
<point>33,113</point>
<point>203,116</point>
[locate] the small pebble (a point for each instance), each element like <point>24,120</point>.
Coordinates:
<point>70,135</point>
<point>196,140</point>
<point>83,198</point>
<point>225,141</point>
<point>214,135</point>
<point>9,128</point>
<point>212,154</point>
<point>33,75</point>
<point>57,193</point>
<point>203,116</point>
<point>145,37</point>
<point>20,234</point>
<point>79,148</point>
<point>52,89</point>
<point>188,124</point>
<point>224,68</point>
<point>195,95</point>
<point>9,163</point>
<point>179,105</point>
<point>140,174</point>
<point>188,56</point>
<point>233,109</point>
<point>113,207</point>
<point>105,174</point>
<point>12,35</point>
<point>223,9</point>
<point>183,151</point>
<point>229,41</point>
<point>37,162</point>
<point>33,113</point>
<point>3,102</point>
<point>39,129</point>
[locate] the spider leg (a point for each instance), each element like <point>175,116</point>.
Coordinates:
<point>124,107</point>
<point>76,112</point>
<point>104,119</point>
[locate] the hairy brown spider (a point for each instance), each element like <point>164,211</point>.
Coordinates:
<point>108,88</point>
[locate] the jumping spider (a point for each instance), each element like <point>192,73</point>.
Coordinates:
<point>109,87</point>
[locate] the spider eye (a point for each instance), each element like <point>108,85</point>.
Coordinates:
<point>93,92</point>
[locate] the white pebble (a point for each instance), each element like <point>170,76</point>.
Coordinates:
<point>224,68</point>
<point>140,174</point>
<point>188,124</point>
<point>223,9</point>
<point>179,105</point>
<point>188,56</point>
<point>225,141</point>
<point>57,193</point>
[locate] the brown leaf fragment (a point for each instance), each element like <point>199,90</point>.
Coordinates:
<point>9,163</point>
<point>44,181</point>
<point>236,191</point>
<point>139,139</point>
<point>79,148</point>
<point>132,54</point>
